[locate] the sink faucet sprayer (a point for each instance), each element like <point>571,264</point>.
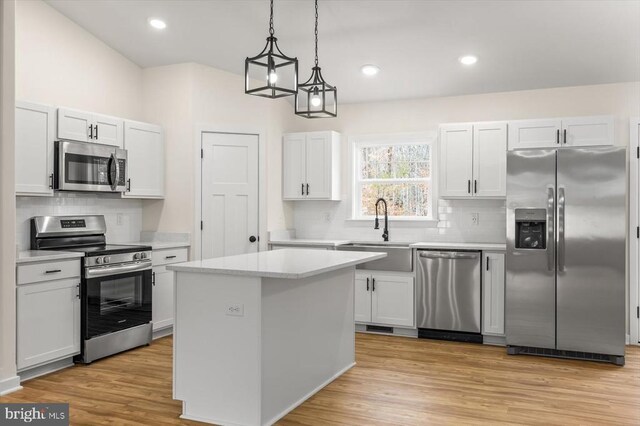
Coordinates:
<point>385,232</point>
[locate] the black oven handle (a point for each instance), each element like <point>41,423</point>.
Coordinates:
<point>126,268</point>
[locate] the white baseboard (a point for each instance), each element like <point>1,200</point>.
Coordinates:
<point>163,332</point>
<point>9,385</point>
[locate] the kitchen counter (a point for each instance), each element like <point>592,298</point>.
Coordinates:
<point>257,334</point>
<point>286,263</point>
<point>159,245</point>
<point>309,242</point>
<point>29,256</point>
<point>460,246</point>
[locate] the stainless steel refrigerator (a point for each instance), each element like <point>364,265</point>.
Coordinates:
<point>566,239</point>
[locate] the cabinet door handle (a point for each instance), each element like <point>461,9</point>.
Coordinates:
<point>558,136</point>
<point>475,186</point>
<point>78,294</point>
<point>302,188</point>
<point>469,186</point>
<point>367,283</point>
<point>128,185</point>
<point>96,126</point>
<point>153,278</point>
<point>307,189</point>
<point>51,181</point>
<point>90,131</point>
<point>487,263</point>
<point>565,136</point>
<point>53,271</point>
<point>170,257</point>
<point>373,284</point>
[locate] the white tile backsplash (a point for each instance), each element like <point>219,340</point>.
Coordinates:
<point>327,219</point>
<point>109,205</point>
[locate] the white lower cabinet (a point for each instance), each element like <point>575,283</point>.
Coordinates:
<point>493,287</point>
<point>48,321</point>
<point>163,295</point>
<point>384,298</point>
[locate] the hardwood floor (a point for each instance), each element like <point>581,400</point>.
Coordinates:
<point>397,381</point>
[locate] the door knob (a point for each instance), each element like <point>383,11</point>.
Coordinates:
<point>252,239</point>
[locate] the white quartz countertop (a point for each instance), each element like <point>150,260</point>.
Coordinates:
<point>285,263</point>
<point>159,245</point>
<point>460,246</point>
<point>29,256</point>
<point>309,242</point>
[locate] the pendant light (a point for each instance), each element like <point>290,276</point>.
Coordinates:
<point>271,74</point>
<point>315,98</point>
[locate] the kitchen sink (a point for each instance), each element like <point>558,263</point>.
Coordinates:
<point>399,258</point>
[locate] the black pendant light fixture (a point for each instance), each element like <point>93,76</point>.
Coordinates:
<point>271,74</point>
<point>315,98</point>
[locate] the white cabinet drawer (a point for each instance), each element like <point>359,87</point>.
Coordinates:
<point>168,256</point>
<point>37,272</point>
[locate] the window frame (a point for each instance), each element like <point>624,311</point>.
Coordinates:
<point>358,142</point>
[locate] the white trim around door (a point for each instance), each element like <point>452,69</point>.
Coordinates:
<point>634,230</point>
<point>262,179</point>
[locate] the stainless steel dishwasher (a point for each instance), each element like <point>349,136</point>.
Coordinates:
<point>448,295</point>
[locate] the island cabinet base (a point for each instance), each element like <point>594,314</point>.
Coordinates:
<point>247,350</point>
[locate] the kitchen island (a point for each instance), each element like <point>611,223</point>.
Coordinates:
<point>255,335</point>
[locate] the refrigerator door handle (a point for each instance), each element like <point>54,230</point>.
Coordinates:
<point>550,228</point>
<point>561,215</point>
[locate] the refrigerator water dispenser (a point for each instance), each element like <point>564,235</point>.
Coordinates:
<point>531,229</point>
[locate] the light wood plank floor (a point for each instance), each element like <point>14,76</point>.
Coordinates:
<point>398,381</point>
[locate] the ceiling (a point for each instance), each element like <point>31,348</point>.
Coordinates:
<point>520,44</point>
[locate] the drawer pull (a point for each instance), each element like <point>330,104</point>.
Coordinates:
<point>53,271</point>
<point>170,257</point>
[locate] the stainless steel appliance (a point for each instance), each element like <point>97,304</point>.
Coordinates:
<point>116,284</point>
<point>93,167</point>
<point>448,295</point>
<point>566,239</point>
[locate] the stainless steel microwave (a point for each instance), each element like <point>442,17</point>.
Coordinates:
<point>83,166</point>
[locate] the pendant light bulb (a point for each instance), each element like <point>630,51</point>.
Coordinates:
<point>273,77</point>
<point>316,101</point>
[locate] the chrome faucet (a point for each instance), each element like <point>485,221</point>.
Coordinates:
<point>385,232</point>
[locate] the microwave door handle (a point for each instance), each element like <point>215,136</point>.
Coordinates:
<point>113,174</point>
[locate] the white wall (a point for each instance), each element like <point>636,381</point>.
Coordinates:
<point>179,97</point>
<point>60,63</point>
<point>8,379</point>
<point>621,100</point>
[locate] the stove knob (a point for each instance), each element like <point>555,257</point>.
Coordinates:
<point>106,259</point>
<point>136,256</point>
<point>98,260</point>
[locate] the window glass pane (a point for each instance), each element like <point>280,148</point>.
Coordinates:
<point>395,162</point>
<point>403,199</point>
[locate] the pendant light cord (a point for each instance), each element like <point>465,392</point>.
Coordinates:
<point>316,33</point>
<point>271,20</point>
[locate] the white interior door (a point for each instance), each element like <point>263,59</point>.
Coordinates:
<point>229,194</point>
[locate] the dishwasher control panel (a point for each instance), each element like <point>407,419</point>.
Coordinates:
<point>531,229</point>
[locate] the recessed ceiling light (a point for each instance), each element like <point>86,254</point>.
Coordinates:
<point>158,24</point>
<point>370,70</point>
<point>468,60</point>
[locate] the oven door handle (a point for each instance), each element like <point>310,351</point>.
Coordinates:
<point>103,271</point>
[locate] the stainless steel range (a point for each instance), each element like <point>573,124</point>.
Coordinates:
<point>116,283</point>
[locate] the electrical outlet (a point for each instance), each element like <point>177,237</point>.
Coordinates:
<point>475,218</point>
<point>235,309</point>
<point>119,218</point>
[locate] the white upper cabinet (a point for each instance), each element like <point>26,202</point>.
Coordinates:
<point>34,135</point>
<point>83,126</point>
<point>493,288</point>
<point>490,159</point>
<point>311,166</point>
<point>145,154</point>
<point>473,160</point>
<point>456,160</point>
<point>561,132</point>
<point>108,130</point>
